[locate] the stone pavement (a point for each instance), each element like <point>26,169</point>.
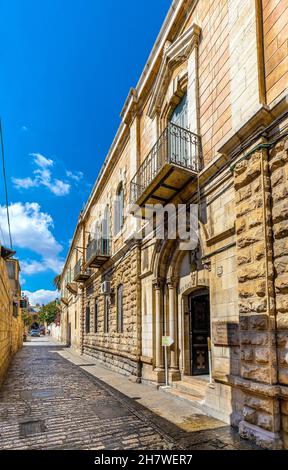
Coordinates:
<point>54,398</point>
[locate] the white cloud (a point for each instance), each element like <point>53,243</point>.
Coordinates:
<point>43,177</point>
<point>76,176</point>
<point>59,188</point>
<point>41,161</point>
<point>31,229</point>
<point>41,296</point>
<point>24,183</point>
<point>30,267</point>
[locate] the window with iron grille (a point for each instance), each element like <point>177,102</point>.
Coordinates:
<point>87,323</point>
<point>120,308</point>
<point>96,310</point>
<point>106,314</point>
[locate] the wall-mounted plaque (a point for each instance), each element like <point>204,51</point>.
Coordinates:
<point>225,333</point>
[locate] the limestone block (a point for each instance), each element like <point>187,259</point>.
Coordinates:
<point>281,265</point>
<point>265,421</point>
<point>243,194</point>
<point>283,376</point>
<point>251,236</point>
<point>259,373</point>
<point>262,355</point>
<point>248,206</point>
<point>252,305</point>
<point>244,256</point>
<point>253,271</point>
<point>253,171</point>
<point>283,357</point>
<point>281,284</point>
<point>280,211</point>
<point>278,156</point>
<point>279,193</point>
<point>250,288</point>
<point>284,407</point>
<point>246,338</point>
<point>281,228</point>
<point>259,251</point>
<point>281,247</point>
<point>282,339</point>
<point>277,177</point>
<point>249,415</point>
<point>243,322</point>
<point>263,404</point>
<point>258,322</point>
<point>240,225</point>
<point>282,321</point>
<point>247,354</point>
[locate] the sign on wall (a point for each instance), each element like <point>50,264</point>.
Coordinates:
<point>225,333</point>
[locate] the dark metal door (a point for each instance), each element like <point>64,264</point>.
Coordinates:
<point>199,332</point>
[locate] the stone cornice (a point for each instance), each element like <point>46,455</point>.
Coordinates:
<point>174,55</point>
<point>130,106</point>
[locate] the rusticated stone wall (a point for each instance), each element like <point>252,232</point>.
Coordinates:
<point>5,320</point>
<point>278,163</point>
<point>119,351</point>
<point>258,372</point>
<point>11,328</point>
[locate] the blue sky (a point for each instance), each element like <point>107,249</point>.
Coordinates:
<point>66,69</point>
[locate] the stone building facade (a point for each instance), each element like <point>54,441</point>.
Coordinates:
<point>11,327</point>
<point>206,125</point>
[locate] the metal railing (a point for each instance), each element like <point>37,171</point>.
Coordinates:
<point>79,268</point>
<point>177,146</point>
<point>98,247</point>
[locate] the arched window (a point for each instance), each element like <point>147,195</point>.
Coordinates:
<point>120,323</point>
<point>119,209</point>
<point>96,311</point>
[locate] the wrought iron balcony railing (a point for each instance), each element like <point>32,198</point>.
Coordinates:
<point>81,273</point>
<point>98,252</point>
<point>176,148</point>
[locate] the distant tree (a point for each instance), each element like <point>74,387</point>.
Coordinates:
<point>48,313</point>
<point>26,318</point>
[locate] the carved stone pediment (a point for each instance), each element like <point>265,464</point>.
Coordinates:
<point>174,54</point>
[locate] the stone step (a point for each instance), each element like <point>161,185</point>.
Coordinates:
<point>196,400</point>
<point>193,389</point>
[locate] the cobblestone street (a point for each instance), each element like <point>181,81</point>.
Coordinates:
<point>47,402</point>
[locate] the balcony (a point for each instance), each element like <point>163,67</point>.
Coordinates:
<point>81,273</point>
<point>98,252</point>
<point>72,287</point>
<point>64,298</point>
<point>170,165</point>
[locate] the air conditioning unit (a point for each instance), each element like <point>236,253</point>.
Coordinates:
<point>105,288</point>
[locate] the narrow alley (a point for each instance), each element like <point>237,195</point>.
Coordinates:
<point>55,399</point>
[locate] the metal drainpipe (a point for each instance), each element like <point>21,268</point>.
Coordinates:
<point>272,347</point>
<point>139,315</point>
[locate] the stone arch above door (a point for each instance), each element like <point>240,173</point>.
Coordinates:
<point>168,257</point>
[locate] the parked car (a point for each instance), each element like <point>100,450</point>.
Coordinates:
<point>34,333</point>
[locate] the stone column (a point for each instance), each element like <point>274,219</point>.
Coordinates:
<point>174,363</point>
<point>158,289</point>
